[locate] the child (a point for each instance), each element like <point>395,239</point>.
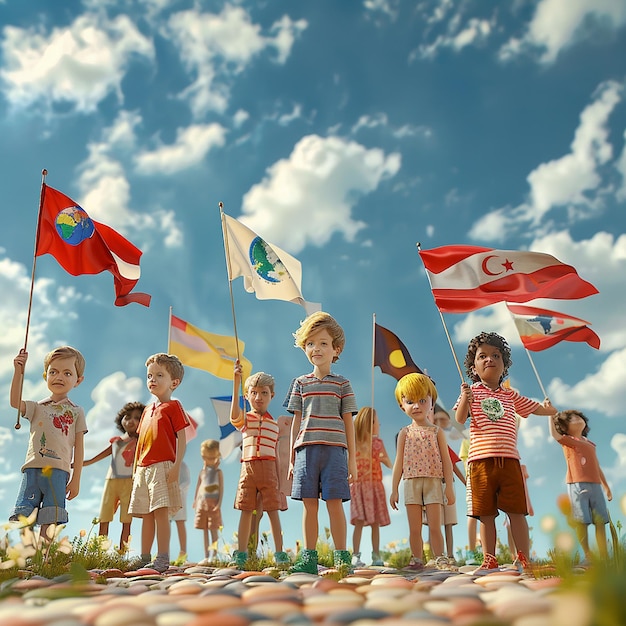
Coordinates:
<point>207,499</point>
<point>424,463</point>
<point>441,418</point>
<point>57,430</point>
<point>180,517</point>
<point>584,479</point>
<point>493,469</point>
<point>368,503</point>
<point>160,450</point>
<point>322,438</point>
<point>119,479</point>
<point>259,472</point>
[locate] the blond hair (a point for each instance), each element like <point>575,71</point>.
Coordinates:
<point>63,352</point>
<point>363,424</point>
<point>170,362</point>
<point>259,379</point>
<point>209,445</point>
<point>317,321</point>
<point>415,387</point>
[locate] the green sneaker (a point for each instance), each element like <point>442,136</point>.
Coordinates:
<point>281,558</point>
<point>342,559</point>
<point>306,562</point>
<point>239,559</point>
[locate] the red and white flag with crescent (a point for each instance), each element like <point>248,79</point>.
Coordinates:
<point>466,278</point>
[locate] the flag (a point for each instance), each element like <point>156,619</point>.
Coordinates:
<point>540,329</point>
<point>230,437</point>
<point>215,354</point>
<point>268,271</point>
<point>466,278</point>
<point>391,355</point>
<point>83,246</point>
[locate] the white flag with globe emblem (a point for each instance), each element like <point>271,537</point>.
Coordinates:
<point>268,271</point>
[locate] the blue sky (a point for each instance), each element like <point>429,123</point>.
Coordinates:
<point>345,133</point>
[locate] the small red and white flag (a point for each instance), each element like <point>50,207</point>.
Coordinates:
<point>540,329</point>
<point>466,278</point>
<point>83,246</point>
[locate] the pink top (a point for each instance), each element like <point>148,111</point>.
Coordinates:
<point>421,452</point>
<point>582,461</point>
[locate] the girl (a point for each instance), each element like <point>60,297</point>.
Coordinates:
<point>368,503</point>
<point>424,463</point>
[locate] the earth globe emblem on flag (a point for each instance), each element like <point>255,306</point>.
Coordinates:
<point>74,225</point>
<point>266,262</point>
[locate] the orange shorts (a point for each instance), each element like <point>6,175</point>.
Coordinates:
<point>496,484</point>
<point>258,477</point>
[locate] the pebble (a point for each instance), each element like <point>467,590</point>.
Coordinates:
<point>202,596</point>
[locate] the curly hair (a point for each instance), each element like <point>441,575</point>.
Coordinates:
<point>129,407</point>
<point>317,321</point>
<point>562,420</point>
<point>491,339</point>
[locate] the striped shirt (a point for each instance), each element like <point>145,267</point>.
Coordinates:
<point>493,424</point>
<point>322,404</point>
<point>259,436</point>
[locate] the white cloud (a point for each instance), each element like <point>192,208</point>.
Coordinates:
<point>388,7</point>
<point>215,47</point>
<point>318,185</point>
<point>574,181</point>
<point>80,64</point>
<point>475,32</point>
<point>191,146</point>
<point>557,24</point>
<point>620,166</point>
<point>618,471</point>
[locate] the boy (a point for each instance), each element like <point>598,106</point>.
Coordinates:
<point>259,472</point>
<point>494,472</point>
<point>57,430</point>
<point>160,450</point>
<point>207,499</point>
<point>585,478</point>
<point>323,459</point>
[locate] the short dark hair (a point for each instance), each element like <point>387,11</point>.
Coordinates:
<point>562,419</point>
<point>129,407</point>
<point>491,339</point>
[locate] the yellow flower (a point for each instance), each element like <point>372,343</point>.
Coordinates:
<point>47,471</point>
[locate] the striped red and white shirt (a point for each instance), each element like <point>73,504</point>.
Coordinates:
<point>259,436</point>
<point>493,424</point>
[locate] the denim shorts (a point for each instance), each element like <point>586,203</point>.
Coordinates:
<point>321,470</point>
<point>46,493</point>
<point>588,503</point>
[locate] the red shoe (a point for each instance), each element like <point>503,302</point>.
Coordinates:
<point>521,563</point>
<point>488,566</point>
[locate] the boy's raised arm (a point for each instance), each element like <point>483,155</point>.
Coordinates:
<point>235,410</point>
<point>19,364</point>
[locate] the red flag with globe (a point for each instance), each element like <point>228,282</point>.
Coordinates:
<point>83,246</point>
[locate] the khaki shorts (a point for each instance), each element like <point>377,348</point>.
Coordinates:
<point>423,491</point>
<point>151,491</point>
<point>207,520</point>
<point>258,477</point>
<point>496,483</point>
<point>116,493</point>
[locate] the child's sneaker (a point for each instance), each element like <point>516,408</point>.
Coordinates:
<point>306,562</point>
<point>415,565</point>
<point>281,558</point>
<point>342,559</point>
<point>161,563</point>
<point>376,560</point>
<point>356,560</point>
<point>521,563</point>
<point>239,559</point>
<point>488,566</point>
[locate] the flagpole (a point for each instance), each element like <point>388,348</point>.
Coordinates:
<point>532,364</point>
<point>169,331</point>
<point>445,328</point>
<point>373,352</point>
<point>230,282</point>
<point>44,173</point>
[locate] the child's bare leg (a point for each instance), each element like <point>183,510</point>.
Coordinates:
<point>147,533</point>
<point>488,534</point>
<point>449,540</point>
<point>375,538</point>
<point>243,530</point>
<point>356,537</point>
<point>519,532</point>
<point>414,515</point>
<point>601,540</point>
<point>277,531</point>
<point>103,530</point>
<point>338,525</point>
<point>310,526</point>
<point>214,538</point>
<point>162,523</point>
<point>471,533</point>
<point>182,536</point>
<point>125,536</point>
<point>433,515</point>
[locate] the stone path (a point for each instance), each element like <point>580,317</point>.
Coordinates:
<point>202,596</point>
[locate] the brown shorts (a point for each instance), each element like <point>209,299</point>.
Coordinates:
<point>496,483</point>
<point>258,477</point>
<point>207,520</point>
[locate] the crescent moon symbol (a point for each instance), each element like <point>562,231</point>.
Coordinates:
<point>484,266</point>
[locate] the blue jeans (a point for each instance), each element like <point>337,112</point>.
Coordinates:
<point>321,470</point>
<point>46,493</point>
